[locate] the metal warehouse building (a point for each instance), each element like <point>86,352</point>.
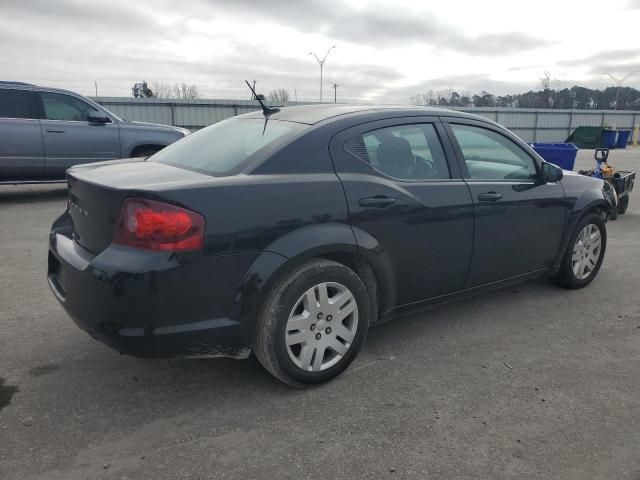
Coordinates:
<point>531,125</point>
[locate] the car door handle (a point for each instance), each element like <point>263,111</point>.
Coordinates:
<point>489,197</point>
<point>51,130</point>
<point>379,201</point>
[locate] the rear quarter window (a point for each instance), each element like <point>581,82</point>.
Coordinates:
<point>17,104</point>
<point>227,147</point>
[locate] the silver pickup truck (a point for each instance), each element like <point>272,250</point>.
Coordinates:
<point>44,131</point>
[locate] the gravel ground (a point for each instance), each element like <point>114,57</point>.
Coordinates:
<point>528,382</point>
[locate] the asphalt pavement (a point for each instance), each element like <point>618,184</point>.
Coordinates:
<point>533,381</point>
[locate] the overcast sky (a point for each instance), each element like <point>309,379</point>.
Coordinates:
<point>385,51</point>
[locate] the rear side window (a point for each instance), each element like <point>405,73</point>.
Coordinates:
<point>226,147</point>
<point>17,104</point>
<point>407,152</point>
<point>58,106</point>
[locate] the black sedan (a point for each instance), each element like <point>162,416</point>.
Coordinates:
<point>291,232</point>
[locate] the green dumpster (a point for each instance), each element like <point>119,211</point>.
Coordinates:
<point>586,137</point>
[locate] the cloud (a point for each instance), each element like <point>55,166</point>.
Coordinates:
<point>220,43</point>
<point>618,70</point>
<point>607,57</point>
<point>376,25</point>
<point>117,65</point>
<point>469,84</point>
<point>79,15</point>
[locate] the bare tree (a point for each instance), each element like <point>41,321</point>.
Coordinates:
<point>161,90</point>
<point>415,99</point>
<point>279,96</point>
<point>426,98</point>
<point>186,92</point>
<point>177,90</point>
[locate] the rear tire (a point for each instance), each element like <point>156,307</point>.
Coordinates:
<point>585,253</point>
<point>623,204</point>
<point>313,323</point>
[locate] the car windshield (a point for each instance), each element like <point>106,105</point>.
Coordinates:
<point>225,148</point>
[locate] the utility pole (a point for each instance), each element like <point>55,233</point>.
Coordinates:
<point>321,63</point>
<point>335,92</point>
<point>95,82</point>
<point>253,97</point>
<point>619,82</point>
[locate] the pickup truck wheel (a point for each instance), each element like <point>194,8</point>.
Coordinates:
<point>585,252</point>
<point>313,323</point>
<point>623,204</point>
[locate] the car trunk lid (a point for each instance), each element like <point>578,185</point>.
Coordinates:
<point>97,193</point>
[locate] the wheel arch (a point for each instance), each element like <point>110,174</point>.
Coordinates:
<point>590,201</point>
<point>331,241</point>
<point>145,147</point>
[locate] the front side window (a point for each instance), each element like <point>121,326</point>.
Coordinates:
<point>58,106</point>
<point>491,156</point>
<point>16,104</point>
<point>225,147</point>
<point>407,152</point>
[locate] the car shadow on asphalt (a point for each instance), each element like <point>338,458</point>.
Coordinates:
<point>202,377</point>
<point>89,374</point>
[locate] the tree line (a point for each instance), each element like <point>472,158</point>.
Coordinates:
<point>192,91</point>
<point>576,97</point>
<point>177,90</point>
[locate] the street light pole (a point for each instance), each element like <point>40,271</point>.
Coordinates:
<point>321,63</point>
<point>619,82</point>
<point>335,92</point>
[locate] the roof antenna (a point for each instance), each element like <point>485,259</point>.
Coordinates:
<point>265,110</point>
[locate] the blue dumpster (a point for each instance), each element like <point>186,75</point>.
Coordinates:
<point>623,138</point>
<point>609,138</point>
<point>560,154</point>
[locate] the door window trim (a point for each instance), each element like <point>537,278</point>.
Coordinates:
<point>447,122</point>
<point>339,139</point>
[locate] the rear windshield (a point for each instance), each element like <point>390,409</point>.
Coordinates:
<point>227,147</point>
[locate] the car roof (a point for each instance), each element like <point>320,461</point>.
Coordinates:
<point>10,82</point>
<point>313,114</point>
<point>31,86</point>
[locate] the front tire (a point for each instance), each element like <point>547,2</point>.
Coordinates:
<point>313,323</point>
<point>585,252</point>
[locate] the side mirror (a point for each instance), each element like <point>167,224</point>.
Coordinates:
<point>551,173</point>
<point>97,117</point>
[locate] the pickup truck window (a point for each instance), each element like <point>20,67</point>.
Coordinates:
<point>58,106</point>
<point>17,104</point>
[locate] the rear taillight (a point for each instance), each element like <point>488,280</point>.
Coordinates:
<point>154,225</point>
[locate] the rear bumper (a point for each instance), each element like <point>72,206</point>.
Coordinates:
<point>152,304</point>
